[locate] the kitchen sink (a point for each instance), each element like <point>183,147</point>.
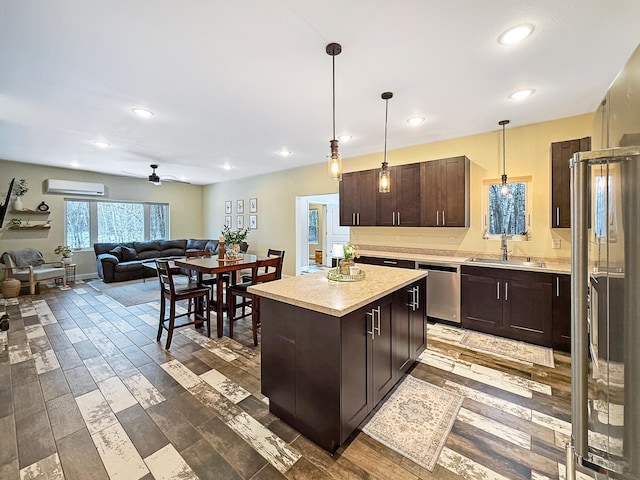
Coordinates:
<point>515,263</point>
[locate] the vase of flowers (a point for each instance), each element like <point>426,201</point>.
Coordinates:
<point>232,241</point>
<point>65,251</point>
<point>19,189</point>
<point>350,253</point>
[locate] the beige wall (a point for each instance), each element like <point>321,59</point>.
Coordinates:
<point>528,154</point>
<point>185,202</point>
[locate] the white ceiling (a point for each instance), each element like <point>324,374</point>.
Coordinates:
<point>234,82</point>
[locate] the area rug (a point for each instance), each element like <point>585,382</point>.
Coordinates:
<point>133,292</point>
<point>415,420</point>
<point>509,348</point>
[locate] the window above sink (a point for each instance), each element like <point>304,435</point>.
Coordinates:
<point>509,213</point>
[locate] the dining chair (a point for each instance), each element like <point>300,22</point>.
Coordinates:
<point>172,294</point>
<point>246,276</point>
<point>208,280</point>
<point>265,270</point>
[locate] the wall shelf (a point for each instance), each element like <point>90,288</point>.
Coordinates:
<point>42,226</point>
<point>28,211</point>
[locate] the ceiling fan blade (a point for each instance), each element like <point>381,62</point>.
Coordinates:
<point>172,179</point>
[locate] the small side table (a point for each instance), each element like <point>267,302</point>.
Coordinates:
<point>69,273</point>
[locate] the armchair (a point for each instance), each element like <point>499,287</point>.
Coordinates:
<point>28,266</point>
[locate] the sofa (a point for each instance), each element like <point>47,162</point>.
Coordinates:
<point>117,262</point>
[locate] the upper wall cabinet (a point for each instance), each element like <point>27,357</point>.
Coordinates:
<point>358,198</point>
<point>561,153</point>
<point>400,206</point>
<point>445,192</point>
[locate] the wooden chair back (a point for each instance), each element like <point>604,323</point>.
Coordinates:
<point>165,277</point>
<point>267,270</point>
<point>198,254</point>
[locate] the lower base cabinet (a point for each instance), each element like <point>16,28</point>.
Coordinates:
<point>324,374</point>
<point>534,307</point>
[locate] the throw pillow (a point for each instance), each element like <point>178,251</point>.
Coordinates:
<point>128,254</point>
<point>117,252</point>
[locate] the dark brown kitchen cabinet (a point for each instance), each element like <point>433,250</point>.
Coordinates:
<point>358,198</point>
<point>445,192</point>
<point>561,153</point>
<point>561,308</point>
<point>386,262</point>
<point>511,303</point>
<point>324,374</point>
<point>401,205</point>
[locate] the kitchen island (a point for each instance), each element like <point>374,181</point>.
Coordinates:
<point>332,350</point>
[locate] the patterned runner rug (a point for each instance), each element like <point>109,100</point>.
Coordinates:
<point>415,420</point>
<point>507,348</point>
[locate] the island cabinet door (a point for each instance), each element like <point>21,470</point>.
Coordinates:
<point>383,368</point>
<point>417,314</point>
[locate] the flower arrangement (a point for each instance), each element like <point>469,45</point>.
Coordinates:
<point>20,188</point>
<point>63,250</point>
<point>350,251</point>
<point>234,237</point>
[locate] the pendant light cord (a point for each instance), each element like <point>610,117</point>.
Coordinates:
<point>386,114</point>
<point>333,62</point>
<point>504,151</point>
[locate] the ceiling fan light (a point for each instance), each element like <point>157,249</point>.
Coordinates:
<point>516,34</point>
<point>522,94</point>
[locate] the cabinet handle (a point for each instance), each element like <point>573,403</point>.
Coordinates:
<point>557,215</point>
<point>390,262</point>
<point>372,314</point>
<point>353,218</point>
<point>443,221</point>
<point>358,214</point>
<point>498,290</point>
<point>557,286</point>
<point>393,214</point>
<point>417,289</point>
<point>378,327</point>
<point>437,217</point>
<point>506,291</point>
<point>398,218</point>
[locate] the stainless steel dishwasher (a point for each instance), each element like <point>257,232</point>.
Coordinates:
<point>443,291</point>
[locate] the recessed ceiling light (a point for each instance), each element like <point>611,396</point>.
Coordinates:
<point>284,152</point>
<point>75,164</point>
<point>520,94</point>
<point>516,34</point>
<point>413,121</point>
<point>344,138</point>
<point>142,112</point>
<point>226,166</point>
<point>100,144</point>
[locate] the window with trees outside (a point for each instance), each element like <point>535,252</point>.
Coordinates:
<point>507,213</point>
<point>91,221</point>
<point>313,225</point>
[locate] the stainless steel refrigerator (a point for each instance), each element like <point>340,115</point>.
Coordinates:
<point>605,344</point>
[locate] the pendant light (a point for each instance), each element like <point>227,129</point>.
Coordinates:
<point>384,176</point>
<point>504,189</point>
<point>335,162</point>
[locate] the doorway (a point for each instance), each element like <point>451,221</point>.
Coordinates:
<point>317,231</point>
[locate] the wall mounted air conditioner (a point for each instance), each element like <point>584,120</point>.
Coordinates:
<point>76,188</point>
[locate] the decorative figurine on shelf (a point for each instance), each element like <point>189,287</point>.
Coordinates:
<point>350,252</point>
<point>19,189</point>
<point>15,222</point>
<point>66,253</point>
<point>232,240</point>
<point>43,207</point>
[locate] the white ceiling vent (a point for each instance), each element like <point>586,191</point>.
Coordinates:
<point>76,188</point>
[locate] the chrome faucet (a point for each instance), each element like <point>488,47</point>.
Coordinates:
<point>503,246</point>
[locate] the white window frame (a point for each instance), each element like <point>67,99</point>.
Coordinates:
<point>485,207</point>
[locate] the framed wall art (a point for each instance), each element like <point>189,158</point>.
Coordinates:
<point>240,206</point>
<point>227,220</point>
<point>239,221</point>
<point>253,205</point>
<point>227,207</point>
<point>253,222</point>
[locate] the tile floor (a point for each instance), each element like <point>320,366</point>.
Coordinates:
<point>87,393</point>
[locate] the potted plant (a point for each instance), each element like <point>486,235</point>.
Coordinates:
<point>19,189</point>
<point>233,239</point>
<point>65,251</point>
<point>350,252</point>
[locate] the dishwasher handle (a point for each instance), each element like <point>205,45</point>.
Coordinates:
<point>438,268</point>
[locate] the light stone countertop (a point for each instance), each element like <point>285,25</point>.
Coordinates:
<point>314,291</point>
<point>550,267</point>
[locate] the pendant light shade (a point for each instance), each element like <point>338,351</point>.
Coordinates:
<point>384,176</point>
<point>504,189</point>
<point>335,162</point>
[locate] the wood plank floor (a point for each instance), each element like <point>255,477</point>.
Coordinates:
<point>87,393</point>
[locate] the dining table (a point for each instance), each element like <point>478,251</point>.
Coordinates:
<point>218,267</point>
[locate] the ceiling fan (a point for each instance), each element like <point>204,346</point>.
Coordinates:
<point>155,179</point>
